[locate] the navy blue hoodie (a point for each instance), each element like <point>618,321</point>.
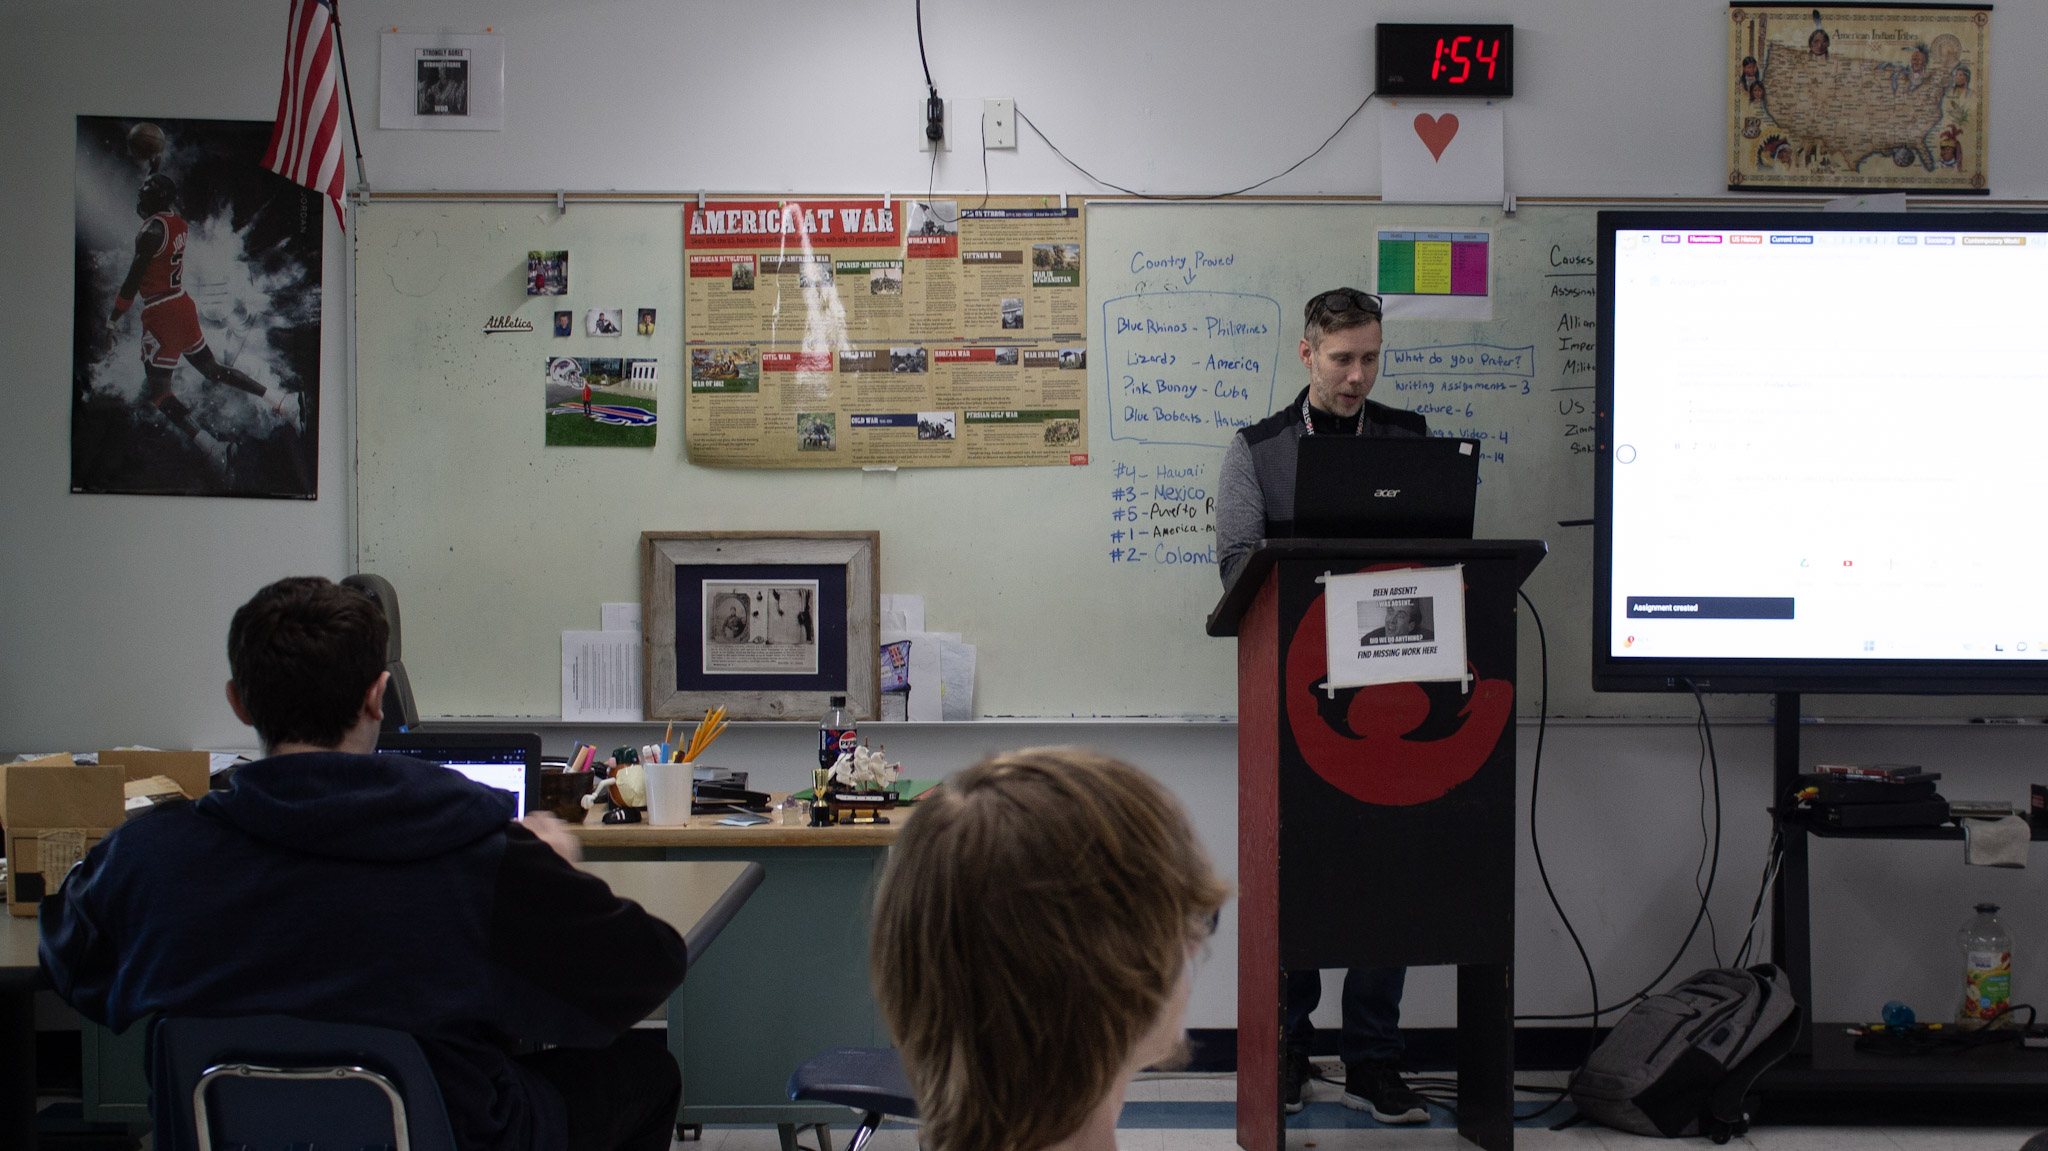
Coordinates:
<point>365,889</point>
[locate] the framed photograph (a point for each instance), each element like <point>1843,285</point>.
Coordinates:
<point>441,80</point>
<point>1855,97</point>
<point>768,625</point>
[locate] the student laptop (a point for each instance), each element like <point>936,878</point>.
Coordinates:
<point>506,760</point>
<point>1376,487</point>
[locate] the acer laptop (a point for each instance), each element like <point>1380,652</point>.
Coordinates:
<point>1373,487</point>
<point>508,761</point>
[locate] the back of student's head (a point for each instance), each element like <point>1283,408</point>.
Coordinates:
<point>1034,919</point>
<point>304,652</point>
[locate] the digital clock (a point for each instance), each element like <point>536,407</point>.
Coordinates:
<point>1445,60</point>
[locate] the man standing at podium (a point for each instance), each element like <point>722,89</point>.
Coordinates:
<point>1340,347</point>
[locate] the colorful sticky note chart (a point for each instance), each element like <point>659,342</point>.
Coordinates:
<point>1433,263</point>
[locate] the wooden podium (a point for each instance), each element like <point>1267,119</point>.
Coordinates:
<point>1376,828</point>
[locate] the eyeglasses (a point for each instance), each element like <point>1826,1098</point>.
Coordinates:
<point>1339,301</point>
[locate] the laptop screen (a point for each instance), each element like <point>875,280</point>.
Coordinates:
<point>1351,487</point>
<point>508,761</point>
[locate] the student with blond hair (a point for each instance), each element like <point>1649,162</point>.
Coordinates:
<point>1033,947</point>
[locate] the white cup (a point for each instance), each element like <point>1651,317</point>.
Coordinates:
<point>668,792</point>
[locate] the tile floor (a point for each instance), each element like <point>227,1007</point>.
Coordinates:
<point>1194,1113</point>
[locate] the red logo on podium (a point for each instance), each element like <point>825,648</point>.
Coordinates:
<point>1376,761</point>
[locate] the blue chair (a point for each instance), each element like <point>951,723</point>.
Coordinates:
<point>868,1079</point>
<point>272,1081</point>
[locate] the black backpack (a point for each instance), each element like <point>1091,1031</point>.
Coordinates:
<point>1680,1063</point>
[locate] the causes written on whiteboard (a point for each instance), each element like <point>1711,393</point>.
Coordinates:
<point>1572,279</point>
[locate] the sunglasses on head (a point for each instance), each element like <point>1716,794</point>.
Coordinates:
<point>1339,301</point>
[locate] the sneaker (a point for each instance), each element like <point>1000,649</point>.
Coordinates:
<point>1377,1088</point>
<point>1295,1072</point>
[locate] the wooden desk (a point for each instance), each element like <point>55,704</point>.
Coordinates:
<point>698,898</point>
<point>19,978</point>
<point>790,979</point>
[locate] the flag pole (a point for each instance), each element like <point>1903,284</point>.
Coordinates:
<point>362,174</point>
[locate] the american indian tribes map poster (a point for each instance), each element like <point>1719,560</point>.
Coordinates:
<point>1855,99</point>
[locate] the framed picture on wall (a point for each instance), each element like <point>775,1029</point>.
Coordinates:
<point>1856,98</point>
<point>768,625</point>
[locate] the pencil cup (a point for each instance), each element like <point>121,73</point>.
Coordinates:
<point>668,792</point>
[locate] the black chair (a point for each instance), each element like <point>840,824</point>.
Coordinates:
<point>867,1079</point>
<point>272,1081</point>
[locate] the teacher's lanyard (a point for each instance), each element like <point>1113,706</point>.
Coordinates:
<point>1308,420</point>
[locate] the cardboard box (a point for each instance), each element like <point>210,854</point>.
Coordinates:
<point>45,761</point>
<point>53,813</point>
<point>188,768</point>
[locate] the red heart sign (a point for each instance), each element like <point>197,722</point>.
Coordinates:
<point>1436,132</point>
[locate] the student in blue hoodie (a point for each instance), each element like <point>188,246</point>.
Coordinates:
<point>333,883</point>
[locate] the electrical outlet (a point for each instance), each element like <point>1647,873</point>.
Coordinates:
<point>999,123</point>
<point>924,143</point>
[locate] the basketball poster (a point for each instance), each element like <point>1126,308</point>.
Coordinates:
<point>196,322</point>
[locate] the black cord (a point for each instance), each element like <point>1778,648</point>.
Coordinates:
<point>928,85</point>
<point>1712,872</point>
<point>1713,930</point>
<point>1773,859</point>
<point>1536,846</point>
<point>932,177</point>
<point>1026,121</point>
<point>984,162</point>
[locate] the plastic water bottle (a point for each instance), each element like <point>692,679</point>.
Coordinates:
<point>1987,970</point>
<point>836,734</point>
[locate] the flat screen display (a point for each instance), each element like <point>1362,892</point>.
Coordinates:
<point>508,761</point>
<point>1817,467</point>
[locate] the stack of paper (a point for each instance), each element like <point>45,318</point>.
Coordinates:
<point>601,669</point>
<point>926,675</point>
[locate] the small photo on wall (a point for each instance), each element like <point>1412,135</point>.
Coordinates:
<point>547,273</point>
<point>603,322</point>
<point>591,403</point>
<point>565,324</point>
<point>441,82</point>
<point>817,431</point>
<point>646,324</point>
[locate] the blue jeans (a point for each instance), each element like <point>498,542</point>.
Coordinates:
<point>1372,1013</point>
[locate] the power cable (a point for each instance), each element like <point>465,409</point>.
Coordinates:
<point>1774,857</point>
<point>1536,846</point>
<point>1713,870</point>
<point>1713,931</point>
<point>921,59</point>
<point>932,174</point>
<point>1026,121</point>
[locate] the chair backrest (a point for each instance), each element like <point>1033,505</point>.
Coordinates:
<point>271,1081</point>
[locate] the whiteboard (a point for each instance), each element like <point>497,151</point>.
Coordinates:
<point>1521,382</point>
<point>498,544</point>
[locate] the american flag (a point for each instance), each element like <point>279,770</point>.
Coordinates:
<point>306,143</point>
